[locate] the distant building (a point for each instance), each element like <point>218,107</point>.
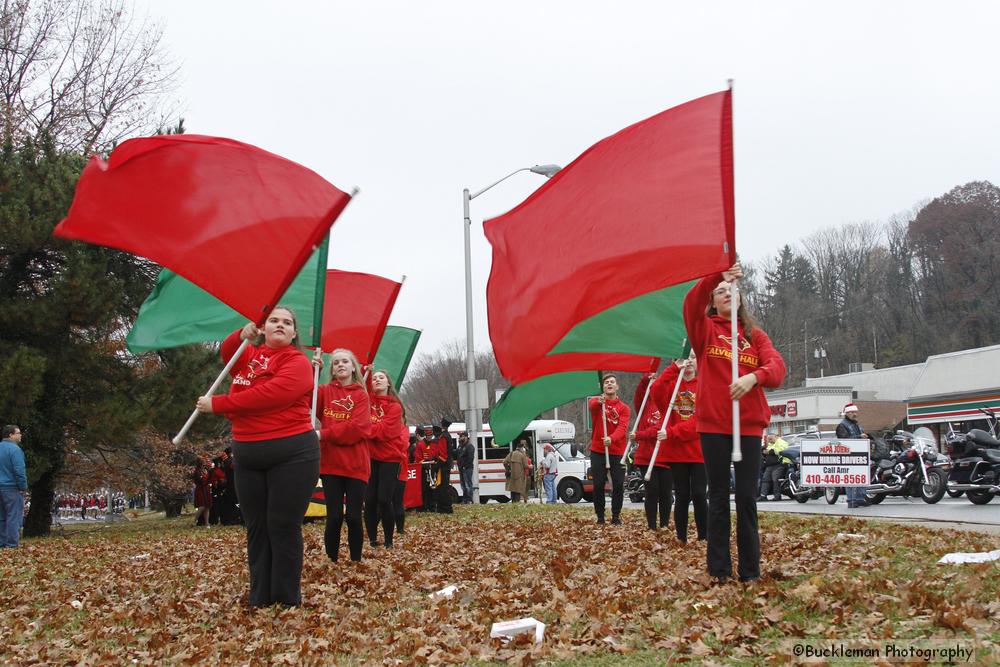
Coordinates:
<point>946,388</point>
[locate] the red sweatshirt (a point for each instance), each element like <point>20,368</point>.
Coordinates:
<point>345,427</point>
<point>270,394</point>
<point>711,341</point>
<point>682,444</point>
<point>387,419</point>
<point>650,421</point>
<point>618,416</point>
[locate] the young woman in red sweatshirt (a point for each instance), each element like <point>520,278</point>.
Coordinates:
<point>383,448</point>
<point>658,488</point>
<point>614,441</point>
<point>707,313</point>
<point>275,451</point>
<point>682,447</point>
<point>345,428</point>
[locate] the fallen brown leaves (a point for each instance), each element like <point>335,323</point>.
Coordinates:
<point>161,591</point>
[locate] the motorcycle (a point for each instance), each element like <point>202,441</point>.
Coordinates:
<point>916,470</point>
<point>976,468</point>
<point>790,482</point>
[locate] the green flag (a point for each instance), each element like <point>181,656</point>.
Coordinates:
<point>393,356</point>
<point>178,312</point>
<point>395,352</point>
<point>648,325</point>
<point>520,404</point>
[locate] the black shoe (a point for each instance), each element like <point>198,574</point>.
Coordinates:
<point>373,544</point>
<point>748,580</point>
<point>600,521</point>
<point>761,499</point>
<point>388,545</point>
<point>616,521</point>
<point>720,580</point>
<point>777,498</point>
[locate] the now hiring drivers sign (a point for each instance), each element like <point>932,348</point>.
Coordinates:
<point>835,463</point>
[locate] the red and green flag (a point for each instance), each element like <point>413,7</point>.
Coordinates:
<point>645,209</point>
<point>590,271</point>
<point>235,220</point>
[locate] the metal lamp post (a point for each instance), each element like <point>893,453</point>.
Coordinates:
<point>473,411</point>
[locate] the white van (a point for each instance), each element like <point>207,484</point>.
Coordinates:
<point>571,480</point>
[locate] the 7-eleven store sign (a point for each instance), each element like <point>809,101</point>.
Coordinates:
<point>951,410</point>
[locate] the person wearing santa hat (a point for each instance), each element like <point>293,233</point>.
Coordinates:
<point>850,429</point>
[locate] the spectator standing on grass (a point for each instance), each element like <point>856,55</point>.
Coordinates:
<point>203,493</point>
<point>13,487</point>
<point>520,468</point>
<point>550,468</point>
<point>466,466</point>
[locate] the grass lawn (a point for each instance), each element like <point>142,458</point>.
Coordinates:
<point>158,591</point>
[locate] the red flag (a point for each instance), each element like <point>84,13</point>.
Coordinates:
<point>356,309</point>
<point>235,220</point>
<point>644,209</point>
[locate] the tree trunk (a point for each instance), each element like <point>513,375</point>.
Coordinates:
<point>38,523</point>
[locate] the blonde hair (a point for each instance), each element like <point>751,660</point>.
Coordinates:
<point>355,372</point>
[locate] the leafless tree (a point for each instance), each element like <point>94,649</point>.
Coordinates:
<point>86,73</point>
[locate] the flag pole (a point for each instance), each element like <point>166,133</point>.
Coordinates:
<point>666,419</point>
<point>604,419</point>
<point>317,356</point>
<point>211,390</point>
<point>734,294</point>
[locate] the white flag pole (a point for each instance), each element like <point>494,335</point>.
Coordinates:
<point>215,385</point>
<point>317,356</point>
<point>607,447</point>
<point>734,294</point>
<point>666,418</point>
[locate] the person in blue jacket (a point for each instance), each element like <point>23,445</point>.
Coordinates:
<point>13,485</point>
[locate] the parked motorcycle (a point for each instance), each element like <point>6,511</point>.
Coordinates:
<point>976,467</point>
<point>790,484</point>
<point>917,470</point>
<point>635,485</point>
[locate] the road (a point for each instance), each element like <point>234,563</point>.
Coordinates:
<point>957,513</point>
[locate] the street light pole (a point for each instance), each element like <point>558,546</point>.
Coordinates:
<point>473,414</point>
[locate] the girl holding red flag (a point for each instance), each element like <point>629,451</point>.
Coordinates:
<point>683,447</point>
<point>707,315</point>
<point>659,487</point>
<point>383,448</point>
<point>345,428</point>
<point>275,452</point>
<point>607,408</point>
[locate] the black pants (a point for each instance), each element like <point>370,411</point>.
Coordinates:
<point>716,448</point>
<point>399,506</point>
<point>444,490</point>
<point>274,481</point>
<point>427,493</point>
<point>617,484</point>
<point>378,500</point>
<point>658,496</point>
<point>690,485</point>
<point>335,487</point>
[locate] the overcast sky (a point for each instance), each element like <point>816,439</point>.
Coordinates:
<point>843,112</point>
